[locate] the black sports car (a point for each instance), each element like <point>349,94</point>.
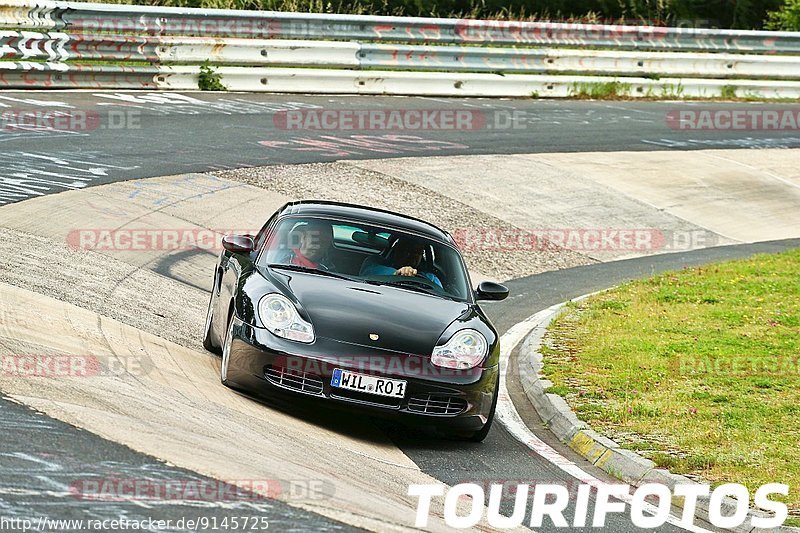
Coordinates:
<point>360,307</point>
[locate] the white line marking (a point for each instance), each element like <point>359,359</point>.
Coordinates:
<point>33,101</point>
<point>508,416</point>
<point>131,500</point>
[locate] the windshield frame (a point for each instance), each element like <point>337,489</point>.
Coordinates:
<point>345,220</point>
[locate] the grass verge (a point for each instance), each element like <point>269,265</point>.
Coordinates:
<point>699,369</point>
<point>608,90</point>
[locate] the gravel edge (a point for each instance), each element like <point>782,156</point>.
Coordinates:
<point>344,182</point>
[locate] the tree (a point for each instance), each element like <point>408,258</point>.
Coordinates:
<point>787,18</point>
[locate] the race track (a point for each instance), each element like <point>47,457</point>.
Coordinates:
<point>111,136</point>
<point>149,305</point>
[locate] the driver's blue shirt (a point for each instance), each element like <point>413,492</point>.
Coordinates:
<point>383,270</point>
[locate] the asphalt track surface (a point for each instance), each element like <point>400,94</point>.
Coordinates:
<point>42,459</point>
<point>501,458</point>
<point>48,467</point>
<point>104,137</point>
<point>175,138</point>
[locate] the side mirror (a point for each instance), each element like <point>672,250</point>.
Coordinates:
<point>238,244</point>
<point>489,290</point>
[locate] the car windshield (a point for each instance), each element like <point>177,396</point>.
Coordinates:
<point>366,253</point>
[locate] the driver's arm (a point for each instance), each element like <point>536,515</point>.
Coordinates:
<point>406,271</point>
<point>411,271</point>
<point>434,278</point>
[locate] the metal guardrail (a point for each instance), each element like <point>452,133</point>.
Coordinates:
<point>56,46</point>
<point>63,33</point>
<point>21,75</point>
<point>147,20</point>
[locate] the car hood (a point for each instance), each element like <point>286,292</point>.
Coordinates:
<point>348,311</point>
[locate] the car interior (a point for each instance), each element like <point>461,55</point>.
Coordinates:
<point>356,247</point>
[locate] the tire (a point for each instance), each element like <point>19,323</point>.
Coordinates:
<point>226,354</point>
<point>208,343</point>
<point>481,434</point>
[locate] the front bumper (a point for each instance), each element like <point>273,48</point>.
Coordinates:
<point>264,365</point>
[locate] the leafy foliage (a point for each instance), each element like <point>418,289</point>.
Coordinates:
<point>744,14</point>
<point>787,18</point>
<point>210,79</point>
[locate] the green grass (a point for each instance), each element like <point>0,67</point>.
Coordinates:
<point>671,92</point>
<point>698,370</point>
<point>728,92</point>
<point>600,90</point>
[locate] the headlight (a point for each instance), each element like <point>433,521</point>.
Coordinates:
<point>465,349</point>
<point>280,316</point>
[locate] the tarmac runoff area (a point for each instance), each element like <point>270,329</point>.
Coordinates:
<point>147,306</point>
<point>681,200</point>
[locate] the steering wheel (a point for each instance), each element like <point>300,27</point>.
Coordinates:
<point>418,279</point>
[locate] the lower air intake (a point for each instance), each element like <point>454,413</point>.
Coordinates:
<point>298,381</point>
<point>437,404</point>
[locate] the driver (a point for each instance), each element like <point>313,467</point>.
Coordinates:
<point>406,258</point>
<point>309,246</point>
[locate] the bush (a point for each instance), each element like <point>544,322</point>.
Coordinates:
<point>743,14</point>
<point>210,79</point>
<point>787,18</point>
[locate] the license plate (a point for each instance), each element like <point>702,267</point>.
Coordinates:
<point>344,379</point>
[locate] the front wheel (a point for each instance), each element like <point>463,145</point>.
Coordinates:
<point>226,354</point>
<point>208,343</point>
<point>481,434</point>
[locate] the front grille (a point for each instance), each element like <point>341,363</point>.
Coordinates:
<point>298,381</point>
<point>437,404</point>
